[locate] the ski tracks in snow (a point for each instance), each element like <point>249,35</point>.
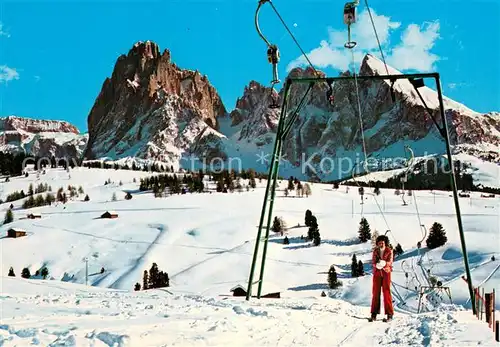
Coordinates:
<point>141,261</point>
<point>222,252</point>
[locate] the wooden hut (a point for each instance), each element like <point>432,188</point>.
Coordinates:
<point>109,214</point>
<point>34,216</point>
<point>16,232</point>
<point>238,291</point>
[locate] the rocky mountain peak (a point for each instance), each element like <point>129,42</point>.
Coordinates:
<point>147,50</point>
<point>147,102</point>
<point>307,72</point>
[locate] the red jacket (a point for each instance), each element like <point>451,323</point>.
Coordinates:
<point>388,256</point>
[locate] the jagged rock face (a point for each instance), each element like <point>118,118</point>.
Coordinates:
<point>13,123</point>
<point>41,137</point>
<point>150,107</point>
<point>252,111</point>
<point>71,147</point>
<point>333,130</point>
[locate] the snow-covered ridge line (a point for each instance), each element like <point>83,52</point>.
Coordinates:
<point>404,86</point>
<point>32,125</point>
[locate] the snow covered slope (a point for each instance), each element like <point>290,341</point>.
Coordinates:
<point>76,315</point>
<point>205,243</point>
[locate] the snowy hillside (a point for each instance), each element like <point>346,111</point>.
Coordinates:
<point>75,315</point>
<point>483,172</point>
<point>205,243</point>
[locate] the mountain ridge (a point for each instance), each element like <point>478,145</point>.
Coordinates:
<point>151,109</point>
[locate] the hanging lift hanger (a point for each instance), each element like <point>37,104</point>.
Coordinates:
<point>273,55</point>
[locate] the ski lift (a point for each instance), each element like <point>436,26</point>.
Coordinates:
<point>349,13</point>
<point>349,19</point>
<point>273,57</point>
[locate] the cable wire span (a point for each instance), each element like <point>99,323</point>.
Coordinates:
<point>376,36</point>
<point>291,34</point>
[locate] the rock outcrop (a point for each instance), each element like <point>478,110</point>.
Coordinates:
<point>327,135</point>
<point>13,123</point>
<point>151,108</point>
<point>43,138</point>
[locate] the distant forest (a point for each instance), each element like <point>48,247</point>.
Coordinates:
<point>11,164</point>
<point>426,176</point>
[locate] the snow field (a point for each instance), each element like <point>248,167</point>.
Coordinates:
<point>76,315</point>
<point>205,242</point>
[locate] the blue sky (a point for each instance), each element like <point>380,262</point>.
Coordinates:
<point>54,56</point>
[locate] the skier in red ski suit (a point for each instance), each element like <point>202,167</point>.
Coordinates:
<point>382,278</point>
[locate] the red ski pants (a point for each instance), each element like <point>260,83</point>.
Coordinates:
<point>381,279</point>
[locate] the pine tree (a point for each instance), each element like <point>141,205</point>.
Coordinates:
<point>49,199</point>
<point>354,266</point>
<point>26,273</point>
<point>86,198</point>
<point>153,276</point>
<point>113,197</point>
<point>278,225</point>
<point>333,282</point>
<point>307,220</point>
<point>361,268</point>
<point>398,250</point>
<point>313,228</point>
<point>145,280</point>
<point>9,217</point>
<point>11,272</point>
<point>437,236</point>
<point>316,237</point>
<point>44,273</point>
<point>364,230</point>
<point>286,241</point>
<point>60,194</point>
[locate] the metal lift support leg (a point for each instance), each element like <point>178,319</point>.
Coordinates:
<point>270,187</point>
<point>274,167</point>
<point>282,132</point>
<point>455,193</point>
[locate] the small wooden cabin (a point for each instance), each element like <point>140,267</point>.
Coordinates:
<point>109,214</point>
<point>34,216</point>
<point>238,291</point>
<point>16,232</point>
